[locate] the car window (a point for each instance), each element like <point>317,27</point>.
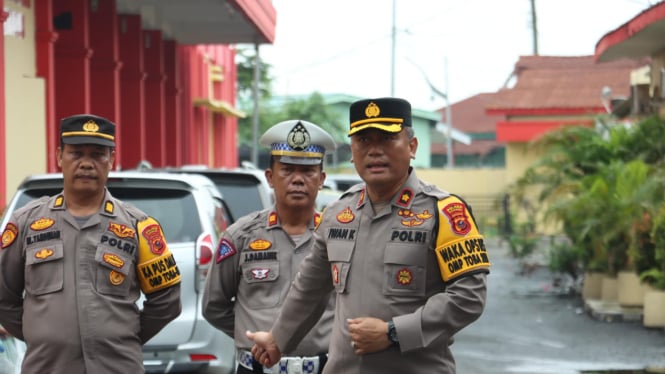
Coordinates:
<point>241,192</point>
<point>175,210</point>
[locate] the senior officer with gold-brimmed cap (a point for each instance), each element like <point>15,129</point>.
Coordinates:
<point>73,265</point>
<point>404,258</point>
<point>258,256</point>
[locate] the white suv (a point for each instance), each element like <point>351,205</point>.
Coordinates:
<point>192,212</point>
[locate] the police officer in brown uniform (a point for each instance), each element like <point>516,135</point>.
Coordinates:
<point>404,258</point>
<point>72,267</point>
<point>258,256</point>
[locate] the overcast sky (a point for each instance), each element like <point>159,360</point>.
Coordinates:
<point>345,46</point>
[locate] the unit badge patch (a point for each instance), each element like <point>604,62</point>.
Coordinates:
<point>260,245</point>
<point>116,278</point>
<point>42,224</point>
<point>457,217</point>
<point>260,273</point>
<point>346,215</point>
<point>9,235</point>
<point>225,250</point>
<point>155,238</point>
<point>404,276</point>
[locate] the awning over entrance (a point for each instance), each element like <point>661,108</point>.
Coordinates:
<point>641,36</point>
<point>207,21</point>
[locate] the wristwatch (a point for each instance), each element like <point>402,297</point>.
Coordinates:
<point>392,333</point>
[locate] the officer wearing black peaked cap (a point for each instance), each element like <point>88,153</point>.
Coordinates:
<point>405,259</point>
<point>66,287</point>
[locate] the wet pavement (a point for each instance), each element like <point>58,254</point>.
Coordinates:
<point>530,326</point>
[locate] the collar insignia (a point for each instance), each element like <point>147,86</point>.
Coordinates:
<point>59,201</point>
<point>361,198</point>
<point>405,197</point>
<point>108,207</point>
<point>272,219</point>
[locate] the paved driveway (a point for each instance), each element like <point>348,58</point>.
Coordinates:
<point>527,327</point>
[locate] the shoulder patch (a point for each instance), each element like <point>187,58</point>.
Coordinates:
<point>460,248</point>
<point>154,237</point>
<point>156,266</point>
<point>224,250</point>
<point>9,235</point>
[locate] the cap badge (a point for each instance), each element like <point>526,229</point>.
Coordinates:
<point>372,110</point>
<point>298,138</point>
<point>90,126</point>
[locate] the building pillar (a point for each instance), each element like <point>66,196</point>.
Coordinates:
<point>186,59</point>
<point>105,64</point>
<point>228,93</point>
<point>174,135</point>
<point>132,78</point>
<point>45,38</point>
<point>3,139</point>
<point>72,58</point>
<point>153,52</point>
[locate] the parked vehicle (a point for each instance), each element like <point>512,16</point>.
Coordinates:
<point>341,182</point>
<point>245,190</point>
<point>192,212</point>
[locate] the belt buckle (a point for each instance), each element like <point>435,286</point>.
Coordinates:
<point>294,365</point>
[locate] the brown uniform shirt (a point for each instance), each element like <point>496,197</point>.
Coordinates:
<point>385,265</point>
<point>254,267</point>
<point>81,282</point>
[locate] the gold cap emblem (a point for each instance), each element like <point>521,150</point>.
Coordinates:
<point>90,126</point>
<point>372,110</point>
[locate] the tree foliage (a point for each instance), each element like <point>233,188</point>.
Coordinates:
<point>274,110</point>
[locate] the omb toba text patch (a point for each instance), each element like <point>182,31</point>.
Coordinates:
<point>156,267</point>
<point>460,248</point>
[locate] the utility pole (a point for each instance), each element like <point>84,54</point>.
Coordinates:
<point>255,98</point>
<point>534,27</point>
<point>392,52</point>
<point>449,115</point>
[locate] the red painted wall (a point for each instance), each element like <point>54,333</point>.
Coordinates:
<point>3,140</point>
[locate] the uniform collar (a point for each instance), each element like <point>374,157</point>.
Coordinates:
<point>403,199</point>
<point>274,222</point>
<point>108,207</point>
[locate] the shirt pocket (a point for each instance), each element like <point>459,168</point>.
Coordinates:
<point>404,270</point>
<point>113,271</point>
<point>44,269</point>
<point>339,255</point>
<point>263,288</point>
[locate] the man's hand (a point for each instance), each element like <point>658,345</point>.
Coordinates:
<point>265,348</point>
<point>368,335</point>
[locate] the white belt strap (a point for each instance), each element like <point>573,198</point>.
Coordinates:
<point>287,365</point>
